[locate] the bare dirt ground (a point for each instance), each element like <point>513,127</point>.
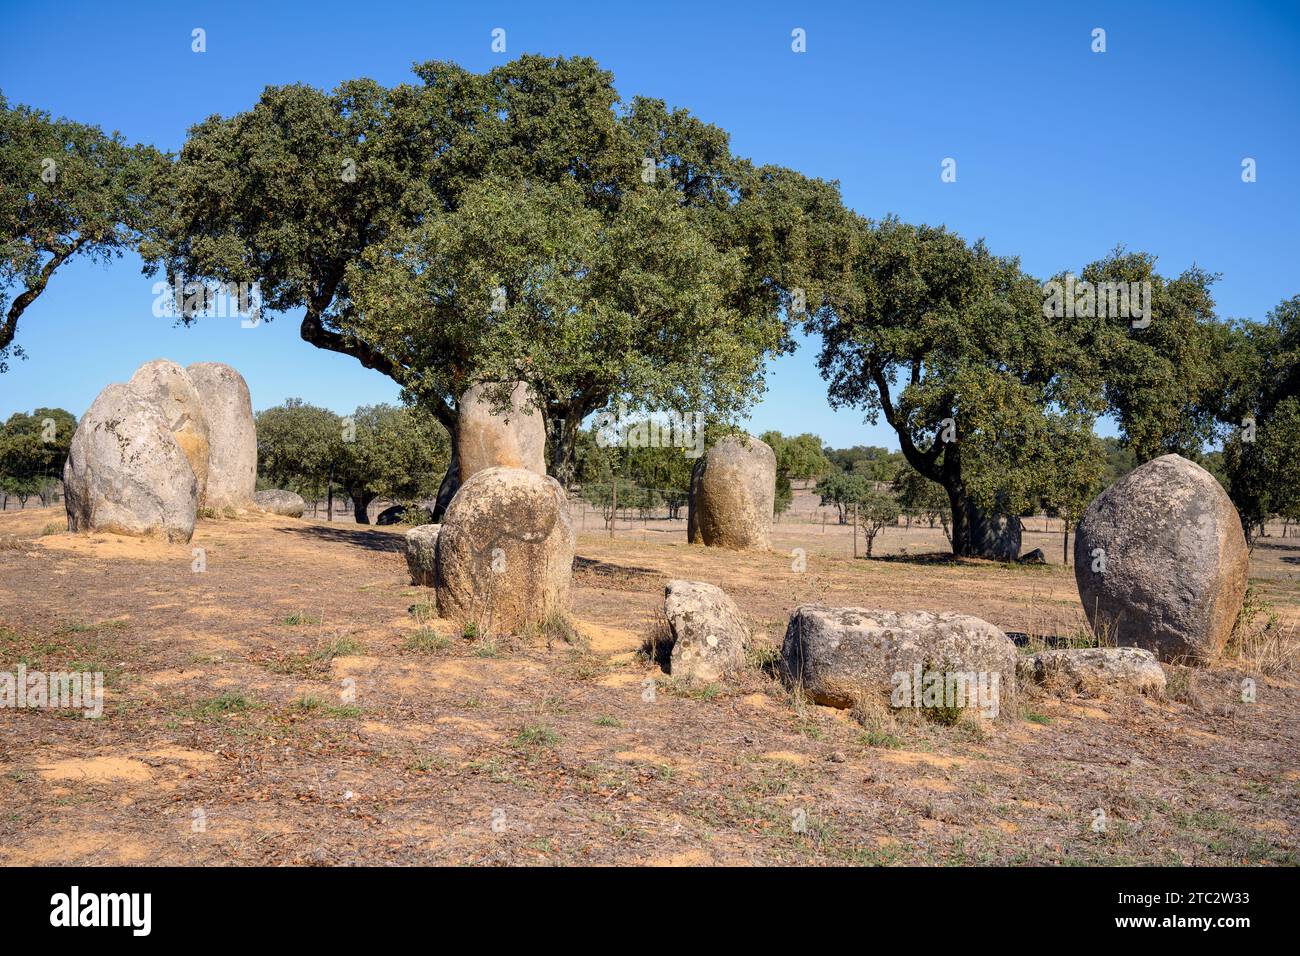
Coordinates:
<point>298,702</point>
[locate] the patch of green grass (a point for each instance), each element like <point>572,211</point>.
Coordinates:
<point>470,630</point>
<point>299,620</point>
<point>608,722</point>
<point>342,712</point>
<point>764,658</point>
<point>876,738</point>
<point>78,627</point>
<point>486,649</point>
<point>1034,717</point>
<point>428,641</point>
<point>691,690</point>
<point>220,707</point>
<point>339,647</point>
<point>536,736</point>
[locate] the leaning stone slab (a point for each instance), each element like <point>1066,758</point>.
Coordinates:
<point>126,473</point>
<point>280,502</point>
<point>844,656</point>
<point>1096,670</point>
<point>707,630</point>
<point>422,553</point>
<point>1161,561</point>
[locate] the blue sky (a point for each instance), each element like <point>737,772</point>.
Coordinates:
<point>1061,152</point>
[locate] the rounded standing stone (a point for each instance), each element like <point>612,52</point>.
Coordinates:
<point>422,553</point>
<point>1161,561</point>
<point>708,631</point>
<point>125,471</point>
<point>280,502</point>
<point>735,494</point>
<point>505,551</point>
<point>514,437</point>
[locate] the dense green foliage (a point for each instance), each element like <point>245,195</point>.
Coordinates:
<point>519,224</point>
<point>69,190</point>
<point>33,449</point>
<point>380,451</point>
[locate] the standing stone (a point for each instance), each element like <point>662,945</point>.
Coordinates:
<point>422,553</point>
<point>735,494</point>
<point>1161,561</point>
<point>842,656</point>
<point>280,502</point>
<point>515,437</point>
<point>505,551</point>
<point>232,436</point>
<point>168,385</point>
<point>126,473</point>
<point>708,632</point>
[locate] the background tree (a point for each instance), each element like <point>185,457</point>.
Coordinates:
<point>798,457</point>
<point>33,449</point>
<point>1071,488</point>
<point>877,510</point>
<point>390,452</point>
<point>920,498</point>
<point>874,463</point>
<point>1261,449</point>
<point>519,224</point>
<point>951,345</point>
<point>1163,382</point>
<point>70,190</point>
<point>299,447</point>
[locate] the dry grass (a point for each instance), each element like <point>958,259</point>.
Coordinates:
<point>215,704</point>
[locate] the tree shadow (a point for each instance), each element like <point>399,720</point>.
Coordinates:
<point>1275,546</point>
<point>369,539</point>
<point>615,574</point>
<point>931,557</point>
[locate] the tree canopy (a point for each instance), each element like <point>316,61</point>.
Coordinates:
<point>70,190</point>
<point>951,345</point>
<point>33,449</point>
<point>519,224</point>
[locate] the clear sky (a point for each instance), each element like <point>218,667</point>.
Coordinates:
<point>1061,152</point>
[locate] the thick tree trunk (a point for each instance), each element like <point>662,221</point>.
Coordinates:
<point>960,531</point>
<point>978,534</point>
<point>450,485</point>
<point>361,505</point>
<point>564,438</point>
